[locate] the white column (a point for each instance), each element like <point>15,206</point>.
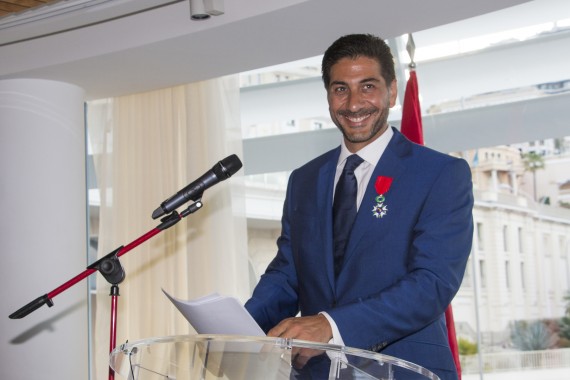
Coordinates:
<point>43,229</point>
<point>494,181</point>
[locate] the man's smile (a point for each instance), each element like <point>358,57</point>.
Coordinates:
<point>357,119</point>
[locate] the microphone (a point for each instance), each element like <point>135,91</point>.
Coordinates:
<point>221,171</point>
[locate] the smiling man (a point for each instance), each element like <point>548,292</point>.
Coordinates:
<point>375,233</point>
<point>359,100</point>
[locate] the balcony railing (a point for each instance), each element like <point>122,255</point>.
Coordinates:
<point>516,361</point>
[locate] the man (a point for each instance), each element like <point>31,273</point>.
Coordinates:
<point>408,246</point>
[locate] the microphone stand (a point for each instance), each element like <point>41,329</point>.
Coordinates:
<point>110,267</point>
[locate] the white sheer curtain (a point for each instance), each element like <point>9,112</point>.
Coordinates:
<point>146,147</point>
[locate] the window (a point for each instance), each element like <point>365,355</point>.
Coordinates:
<point>511,287</point>
<point>545,247</point>
<point>523,274</point>
<point>482,274</point>
<point>480,239</point>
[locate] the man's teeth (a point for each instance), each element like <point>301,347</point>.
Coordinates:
<point>357,119</point>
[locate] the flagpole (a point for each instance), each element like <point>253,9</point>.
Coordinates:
<point>411,127</point>
<point>477,290</point>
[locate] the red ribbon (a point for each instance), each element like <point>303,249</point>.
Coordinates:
<point>382,184</point>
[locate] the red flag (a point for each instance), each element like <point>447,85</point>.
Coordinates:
<point>451,337</point>
<point>411,127</point>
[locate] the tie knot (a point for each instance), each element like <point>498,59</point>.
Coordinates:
<point>352,162</point>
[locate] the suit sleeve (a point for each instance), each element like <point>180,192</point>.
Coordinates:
<point>275,296</point>
<point>438,252</point>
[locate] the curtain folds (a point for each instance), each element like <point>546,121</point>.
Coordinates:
<point>145,148</point>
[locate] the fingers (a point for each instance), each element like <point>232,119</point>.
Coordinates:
<point>281,330</point>
<point>314,328</point>
<point>298,360</point>
<point>301,356</point>
<point>293,328</point>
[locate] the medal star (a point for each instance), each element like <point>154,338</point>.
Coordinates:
<point>379,210</point>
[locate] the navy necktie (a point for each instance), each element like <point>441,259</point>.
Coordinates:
<point>344,209</point>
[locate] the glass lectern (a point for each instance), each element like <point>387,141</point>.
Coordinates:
<point>210,357</point>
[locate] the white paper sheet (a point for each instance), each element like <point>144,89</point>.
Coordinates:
<point>215,314</point>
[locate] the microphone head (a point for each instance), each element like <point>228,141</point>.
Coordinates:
<point>221,171</point>
<point>227,167</point>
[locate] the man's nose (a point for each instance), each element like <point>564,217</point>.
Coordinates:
<point>355,101</point>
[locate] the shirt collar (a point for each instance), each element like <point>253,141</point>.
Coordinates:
<point>372,152</point>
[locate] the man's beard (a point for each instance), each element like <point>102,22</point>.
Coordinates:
<point>378,128</point>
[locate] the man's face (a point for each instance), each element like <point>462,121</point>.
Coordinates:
<point>359,100</point>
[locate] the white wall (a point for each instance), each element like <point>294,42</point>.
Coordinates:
<point>43,229</point>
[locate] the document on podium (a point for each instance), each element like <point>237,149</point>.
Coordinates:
<point>215,314</point>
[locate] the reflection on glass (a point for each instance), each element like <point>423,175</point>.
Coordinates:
<point>250,358</point>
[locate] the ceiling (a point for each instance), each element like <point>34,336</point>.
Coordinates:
<point>8,7</point>
<point>117,47</point>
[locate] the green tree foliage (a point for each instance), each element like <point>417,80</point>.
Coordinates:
<point>533,162</point>
<point>531,336</point>
<point>466,347</point>
<point>565,321</point>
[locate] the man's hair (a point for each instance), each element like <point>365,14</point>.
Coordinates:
<point>359,45</point>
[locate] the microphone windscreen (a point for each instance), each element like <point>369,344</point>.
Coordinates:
<point>227,167</point>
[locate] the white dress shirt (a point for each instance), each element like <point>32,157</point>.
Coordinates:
<point>371,154</point>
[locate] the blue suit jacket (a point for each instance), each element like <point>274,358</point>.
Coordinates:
<point>400,271</point>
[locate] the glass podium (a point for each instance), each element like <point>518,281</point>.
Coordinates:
<point>231,357</point>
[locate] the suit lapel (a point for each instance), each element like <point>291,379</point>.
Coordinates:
<point>325,187</point>
<point>390,165</point>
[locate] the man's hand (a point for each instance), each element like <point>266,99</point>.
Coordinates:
<point>315,328</point>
